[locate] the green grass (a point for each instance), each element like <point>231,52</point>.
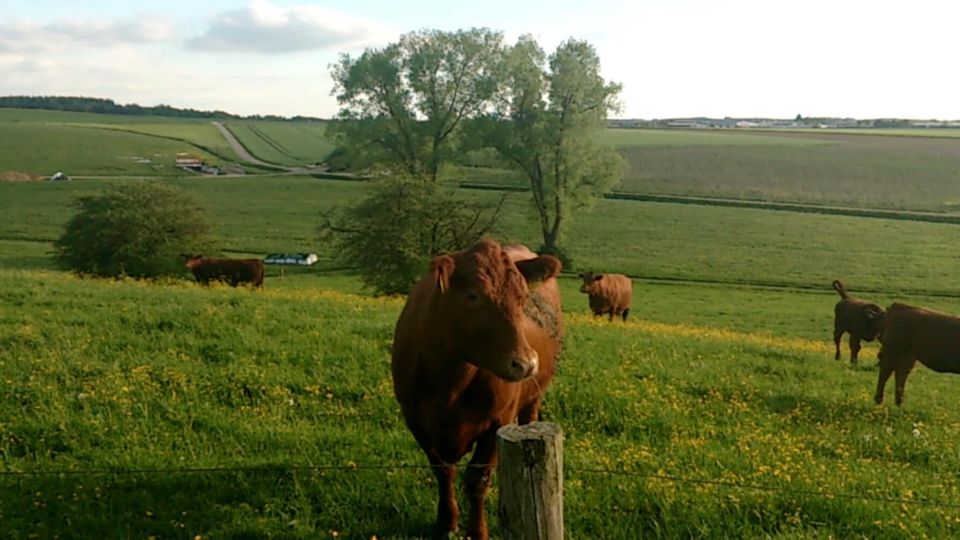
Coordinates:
<point>44,149</point>
<point>899,172</point>
<point>717,411</point>
<point>285,143</point>
<point>629,138</point>
<point>127,376</point>
<point>67,117</point>
<point>43,142</point>
<point>644,239</point>
<point>201,134</point>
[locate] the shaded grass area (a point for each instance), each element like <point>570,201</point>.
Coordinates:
<point>131,376</point>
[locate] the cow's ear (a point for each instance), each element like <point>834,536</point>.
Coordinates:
<point>582,275</point>
<point>540,269</point>
<point>598,277</point>
<point>441,268</point>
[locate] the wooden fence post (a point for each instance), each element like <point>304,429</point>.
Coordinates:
<point>530,475</point>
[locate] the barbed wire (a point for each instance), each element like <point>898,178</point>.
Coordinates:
<point>409,466</point>
<point>760,487</point>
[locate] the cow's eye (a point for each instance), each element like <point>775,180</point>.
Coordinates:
<point>472,297</point>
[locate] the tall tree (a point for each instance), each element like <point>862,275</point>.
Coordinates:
<point>546,122</point>
<point>403,105</point>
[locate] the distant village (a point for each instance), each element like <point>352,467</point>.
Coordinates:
<point>796,123</point>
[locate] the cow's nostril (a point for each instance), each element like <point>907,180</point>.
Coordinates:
<point>523,368</point>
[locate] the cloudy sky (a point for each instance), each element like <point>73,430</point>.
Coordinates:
<point>770,58</point>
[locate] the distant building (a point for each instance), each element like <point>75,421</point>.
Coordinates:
<point>189,163</point>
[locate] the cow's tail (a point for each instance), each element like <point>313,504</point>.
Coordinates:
<point>841,290</point>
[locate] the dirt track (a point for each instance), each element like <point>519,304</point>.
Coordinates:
<point>240,150</point>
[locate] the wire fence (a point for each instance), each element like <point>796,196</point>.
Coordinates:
<point>405,466</point>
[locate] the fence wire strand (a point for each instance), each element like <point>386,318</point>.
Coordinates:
<point>408,466</point>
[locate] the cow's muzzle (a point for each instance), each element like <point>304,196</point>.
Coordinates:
<point>521,368</point>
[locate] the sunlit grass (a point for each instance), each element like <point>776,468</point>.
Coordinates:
<point>673,428</point>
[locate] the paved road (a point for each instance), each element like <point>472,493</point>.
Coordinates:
<point>240,150</point>
<point>250,158</point>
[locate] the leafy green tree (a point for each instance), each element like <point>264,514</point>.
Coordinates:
<point>546,123</point>
<point>404,105</point>
<point>392,234</point>
<point>138,230</point>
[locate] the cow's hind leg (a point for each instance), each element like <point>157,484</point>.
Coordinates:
<point>854,348</point>
<point>624,314</point>
<point>837,336</point>
<point>477,483</point>
<point>902,371</point>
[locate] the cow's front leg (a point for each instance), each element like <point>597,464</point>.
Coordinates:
<point>886,369</point>
<point>530,413</point>
<point>903,369</point>
<point>478,483</point>
<point>448,514</point>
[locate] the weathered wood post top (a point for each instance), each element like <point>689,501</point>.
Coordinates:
<point>530,473</point>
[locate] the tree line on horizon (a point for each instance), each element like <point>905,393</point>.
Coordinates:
<point>109,106</point>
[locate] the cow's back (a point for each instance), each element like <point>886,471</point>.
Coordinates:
<point>930,336</point>
<point>614,291</point>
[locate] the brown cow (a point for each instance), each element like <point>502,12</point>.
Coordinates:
<point>862,320</point>
<point>474,349</point>
<point>608,293</point>
<point>911,334</point>
<point>232,271</point>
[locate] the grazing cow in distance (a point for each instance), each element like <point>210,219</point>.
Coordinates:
<point>474,349</point>
<point>862,320</point>
<point>911,334</point>
<point>608,293</point>
<point>232,271</point>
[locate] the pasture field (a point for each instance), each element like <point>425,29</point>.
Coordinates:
<point>133,409</point>
<point>862,170</point>
<point>166,409</point>
<point>630,138</point>
<point>200,134</point>
<point>887,169</point>
<point>287,143</point>
<point>85,144</point>
<point>44,149</point>
<point>642,239</point>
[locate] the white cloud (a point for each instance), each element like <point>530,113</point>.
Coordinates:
<point>29,38</point>
<point>262,27</point>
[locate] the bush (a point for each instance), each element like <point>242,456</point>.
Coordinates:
<point>138,230</point>
<point>392,234</point>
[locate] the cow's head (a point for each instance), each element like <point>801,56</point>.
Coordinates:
<point>591,281</point>
<point>872,323</point>
<point>481,298</point>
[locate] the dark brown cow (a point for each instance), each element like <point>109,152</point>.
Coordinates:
<point>474,349</point>
<point>911,334</point>
<point>862,320</point>
<point>232,271</point>
<point>608,293</point>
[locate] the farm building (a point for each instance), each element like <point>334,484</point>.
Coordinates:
<point>192,163</point>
